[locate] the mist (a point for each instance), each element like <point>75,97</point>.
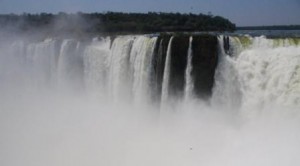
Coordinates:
<point>47,129</point>
<point>70,102</point>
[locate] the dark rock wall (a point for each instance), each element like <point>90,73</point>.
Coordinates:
<point>204,62</point>
<point>226,44</point>
<point>178,63</point>
<point>158,63</point>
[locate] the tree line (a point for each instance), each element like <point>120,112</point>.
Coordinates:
<point>116,22</point>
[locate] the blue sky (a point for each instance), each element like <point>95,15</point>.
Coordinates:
<point>241,12</point>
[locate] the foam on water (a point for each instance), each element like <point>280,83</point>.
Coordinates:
<point>65,102</point>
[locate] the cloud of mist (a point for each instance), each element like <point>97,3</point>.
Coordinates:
<point>43,25</point>
<point>45,129</point>
<point>42,125</point>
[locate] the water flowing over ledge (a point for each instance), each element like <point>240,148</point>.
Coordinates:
<point>150,100</point>
<point>236,71</point>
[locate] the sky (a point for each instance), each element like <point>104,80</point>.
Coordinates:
<point>240,12</point>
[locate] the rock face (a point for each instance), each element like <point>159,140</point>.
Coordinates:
<point>226,44</point>
<point>204,61</point>
<point>158,63</point>
<point>178,65</point>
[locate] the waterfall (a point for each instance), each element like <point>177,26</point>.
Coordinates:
<point>254,73</point>
<point>119,76</point>
<point>226,91</point>
<point>166,79</point>
<point>124,68</point>
<point>140,59</point>
<point>268,74</point>
<point>40,59</point>
<point>96,66</point>
<point>132,99</point>
<point>189,84</point>
<point>261,75</point>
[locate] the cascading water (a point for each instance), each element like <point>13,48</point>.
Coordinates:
<point>226,91</point>
<point>140,60</point>
<point>255,72</point>
<point>252,73</point>
<point>87,122</point>
<point>261,74</point>
<point>268,73</point>
<point>166,79</point>
<point>119,76</point>
<point>43,61</point>
<point>188,89</point>
<point>96,66</point>
<point>69,67</point>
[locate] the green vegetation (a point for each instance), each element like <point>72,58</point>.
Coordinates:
<point>116,22</point>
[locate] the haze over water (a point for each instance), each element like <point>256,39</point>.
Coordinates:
<point>68,102</point>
